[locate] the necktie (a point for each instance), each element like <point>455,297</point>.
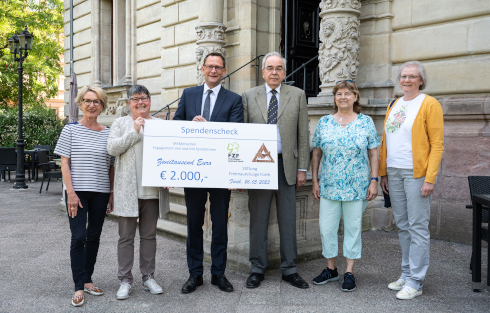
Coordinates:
<point>272,112</point>
<point>207,106</point>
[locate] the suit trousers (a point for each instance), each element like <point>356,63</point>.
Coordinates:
<point>148,217</point>
<point>412,215</point>
<point>195,200</point>
<point>85,237</point>
<point>259,205</point>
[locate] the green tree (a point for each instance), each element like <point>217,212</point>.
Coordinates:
<point>44,19</point>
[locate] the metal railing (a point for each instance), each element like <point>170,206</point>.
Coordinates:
<point>256,59</point>
<point>303,66</point>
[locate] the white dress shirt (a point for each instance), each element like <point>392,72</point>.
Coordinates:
<point>212,98</point>
<point>278,96</point>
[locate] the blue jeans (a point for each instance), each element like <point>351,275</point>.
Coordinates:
<point>330,213</point>
<point>85,237</point>
<point>412,215</point>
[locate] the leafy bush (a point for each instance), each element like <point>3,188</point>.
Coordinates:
<point>40,126</point>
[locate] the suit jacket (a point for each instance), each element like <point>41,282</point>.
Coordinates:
<point>228,106</point>
<point>293,124</point>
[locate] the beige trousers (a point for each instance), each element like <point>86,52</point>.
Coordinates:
<point>148,217</point>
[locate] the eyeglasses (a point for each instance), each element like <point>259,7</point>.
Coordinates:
<point>271,69</point>
<point>211,67</point>
<point>136,100</point>
<point>349,81</point>
<point>87,102</point>
<point>409,77</point>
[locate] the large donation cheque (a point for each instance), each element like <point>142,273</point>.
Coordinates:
<point>210,155</point>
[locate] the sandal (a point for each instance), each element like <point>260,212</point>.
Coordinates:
<point>77,300</point>
<point>94,291</point>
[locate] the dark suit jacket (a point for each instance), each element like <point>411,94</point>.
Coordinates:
<point>228,106</point>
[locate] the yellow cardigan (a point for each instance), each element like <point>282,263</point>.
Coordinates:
<point>427,141</point>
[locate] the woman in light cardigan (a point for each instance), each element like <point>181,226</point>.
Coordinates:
<point>409,159</point>
<point>131,199</point>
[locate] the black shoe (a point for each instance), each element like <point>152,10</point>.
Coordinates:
<point>191,284</point>
<point>326,276</point>
<point>253,281</point>
<point>349,282</point>
<point>295,280</point>
<point>221,281</point>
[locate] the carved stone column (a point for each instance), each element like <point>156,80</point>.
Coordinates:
<point>339,47</point>
<point>210,33</point>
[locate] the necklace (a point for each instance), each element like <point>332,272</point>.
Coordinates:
<point>342,118</point>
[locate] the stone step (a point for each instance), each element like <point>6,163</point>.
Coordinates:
<point>178,213</point>
<point>177,196</point>
<point>172,230</point>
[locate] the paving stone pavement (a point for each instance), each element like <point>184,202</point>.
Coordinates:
<point>35,273</point>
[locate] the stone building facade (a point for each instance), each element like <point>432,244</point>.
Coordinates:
<point>161,43</point>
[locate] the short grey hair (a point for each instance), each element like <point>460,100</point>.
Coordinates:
<point>273,54</point>
<point>138,89</point>
<point>420,69</point>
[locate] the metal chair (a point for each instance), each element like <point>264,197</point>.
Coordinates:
<point>48,172</point>
<point>8,161</point>
<point>479,185</point>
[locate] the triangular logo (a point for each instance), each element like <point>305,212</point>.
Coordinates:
<point>263,155</point>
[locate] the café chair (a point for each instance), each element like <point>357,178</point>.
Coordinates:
<point>48,172</point>
<point>8,161</point>
<point>479,185</point>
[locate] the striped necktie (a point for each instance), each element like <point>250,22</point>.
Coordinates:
<point>272,112</point>
<point>207,105</point>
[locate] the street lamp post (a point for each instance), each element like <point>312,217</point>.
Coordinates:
<point>19,45</point>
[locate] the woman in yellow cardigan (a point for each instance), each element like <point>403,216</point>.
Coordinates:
<point>410,155</point>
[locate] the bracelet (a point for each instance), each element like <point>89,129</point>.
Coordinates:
<point>374,178</point>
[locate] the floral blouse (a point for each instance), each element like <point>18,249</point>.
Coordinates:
<point>344,174</point>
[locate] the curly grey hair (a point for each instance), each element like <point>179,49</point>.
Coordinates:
<point>275,54</point>
<point>420,68</point>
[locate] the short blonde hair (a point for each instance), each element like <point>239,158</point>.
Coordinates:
<point>100,94</point>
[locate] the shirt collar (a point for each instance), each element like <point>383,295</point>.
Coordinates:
<point>268,89</point>
<point>215,89</point>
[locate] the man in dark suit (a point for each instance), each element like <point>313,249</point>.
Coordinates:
<point>209,102</point>
<point>285,106</point>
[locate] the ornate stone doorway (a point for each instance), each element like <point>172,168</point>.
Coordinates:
<point>300,41</point>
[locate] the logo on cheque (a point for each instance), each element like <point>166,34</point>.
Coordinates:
<point>233,149</point>
<point>263,155</point>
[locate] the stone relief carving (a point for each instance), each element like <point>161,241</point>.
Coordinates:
<point>333,4</point>
<point>210,33</point>
<point>339,49</point>
<point>121,108</point>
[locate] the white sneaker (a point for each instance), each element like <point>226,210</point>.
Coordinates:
<point>152,285</point>
<point>397,285</point>
<point>124,291</point>
<point>408,293</point>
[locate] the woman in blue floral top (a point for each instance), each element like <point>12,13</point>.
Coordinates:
<point>345,142</point>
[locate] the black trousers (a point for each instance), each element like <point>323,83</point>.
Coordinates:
<point>195,199</point>
<point>85,237</point>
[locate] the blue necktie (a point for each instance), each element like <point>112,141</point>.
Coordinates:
<point>272,112</point>
<point>207,105</point>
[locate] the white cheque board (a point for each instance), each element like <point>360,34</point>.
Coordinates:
<point>210,155</point>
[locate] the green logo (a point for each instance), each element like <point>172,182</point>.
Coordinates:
<point>232,147</point>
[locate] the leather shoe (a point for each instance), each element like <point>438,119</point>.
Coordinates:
<point>191,284</point>
<point>221,281</point>
<point>295,280</point>
<point>253,281</point>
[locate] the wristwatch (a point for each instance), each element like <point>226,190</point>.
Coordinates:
<point>374,178</point>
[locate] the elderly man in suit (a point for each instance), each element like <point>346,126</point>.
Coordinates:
<point>277,103</point>
<point>209,102</point>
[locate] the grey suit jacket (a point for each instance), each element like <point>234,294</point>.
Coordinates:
<point>292,121</point>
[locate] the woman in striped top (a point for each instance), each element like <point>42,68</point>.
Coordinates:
<point>88,174</point>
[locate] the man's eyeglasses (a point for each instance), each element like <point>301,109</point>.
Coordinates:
<point>136,100</point>
<point>271,69</point>
<point>409,77</point>
<point>349,81</point>
<point>211,67</point>
<point>87,102</point>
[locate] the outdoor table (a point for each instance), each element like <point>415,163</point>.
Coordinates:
<point>480,200</point>
<point>32,154</point>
